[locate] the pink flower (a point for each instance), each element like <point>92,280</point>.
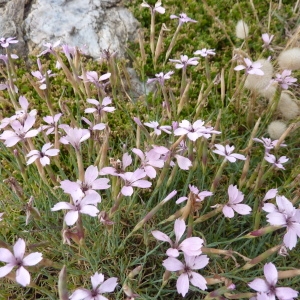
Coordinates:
<point>235,197</point>
<point>99,287</point>
<point>270,194</point>
<point>268,143</point>
<point>157,128</point>
<point>89,185</point>
<point>276,162</point>
<point>183,18</point>
<point>160,78</point>
<point>149,160</point>
<point>10,86</point>
<point>287,216</point>
<point>284,79</point>
<point>267,39</point>
<point>99,126</point>
<point>82,204</point>
<point>185,61</point>
<point>205,52</point>
<point>187,274</point>
<point>4,42</point>
<point>75,136</point>
<point>42,155</point>
<point>198,196</point>
<point>268,285</point>
<point>20,132</point>
<point>134,179</point>
<point>5,58</point>
<point>42,77</point>
<point>69,51</point>
<point>52,123</point>
<point>227,152</point>
<point>92,77</point>
<point>195,130</point>
<point>50,48</point>
<point>119,166</point>
<point>100,108</point>
<point>190,246</point>
<point>18,260</point>
<point>157,7</point>
<point>250,67</point>
<point>183,162</point>
<point>21,114</point>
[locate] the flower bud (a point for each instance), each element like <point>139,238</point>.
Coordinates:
<point>62,284</point>
<point>241,30</point>
<point>135,272</point>
<point>289,59</point>
<point>276,129</point>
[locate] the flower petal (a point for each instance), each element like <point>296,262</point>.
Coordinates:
<point>183,162</point>
<point>108,285</point>
<point>71,217</point>
<point>286,293</point>
<point>179,229</point>
<point>192,246</point>
<point>172,264</point>
<point>228,211</point>
<point>22,276</point>
<point>242,209</point>
<point>259,285</point>
<point>161,236</point>
<point>172,252</point>
<point>200,262</point>
<point>183,284</point>
<point>127,190</point>
<point>90,210</point>
<point>6,269</point>
<point>32,259</point>
<point>80,294</point>
<point>271,274</point>
<point>62,205</point>
<point>6,256</point>
<point>198,281</point>
<point>19,249</point>
<point>96,280</point>
<point>90,175</point>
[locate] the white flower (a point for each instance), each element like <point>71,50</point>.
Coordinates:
<point>157,7</point>
<point>205,52</point>
<point>84,205</point>
<point>99,287</point>
<point>227,152</point>
<point>18,260</point>
<point>42,155</point>
<point>276,162</point>
<point>235,197</point>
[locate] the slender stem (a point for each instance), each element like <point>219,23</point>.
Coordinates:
<point>174,38</point>
<point>218,176</point>
<point>80,165</point>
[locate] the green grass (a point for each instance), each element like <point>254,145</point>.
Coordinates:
<point>118,249</point>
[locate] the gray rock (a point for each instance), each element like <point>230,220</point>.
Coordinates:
<point>97,24</point>
<point>11,18</point>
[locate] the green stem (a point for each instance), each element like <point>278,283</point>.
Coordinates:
<point>218,176</point>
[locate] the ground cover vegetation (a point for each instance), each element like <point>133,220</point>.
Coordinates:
<point>189,189</point>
